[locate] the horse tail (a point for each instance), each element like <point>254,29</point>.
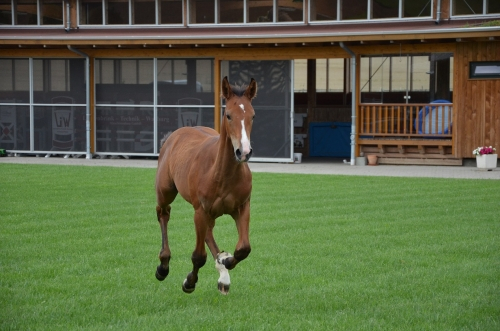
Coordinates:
<point>165,137</point>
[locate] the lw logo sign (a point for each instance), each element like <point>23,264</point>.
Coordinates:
<point>62,121</point>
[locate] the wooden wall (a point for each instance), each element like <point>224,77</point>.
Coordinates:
<point>477,102</point>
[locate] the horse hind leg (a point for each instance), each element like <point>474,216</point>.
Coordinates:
<point>163,214</point>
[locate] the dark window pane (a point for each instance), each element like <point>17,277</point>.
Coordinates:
<point>144,12</point>
<point>354,9</point>
<point>385,8</point>
<point>171,12</point>
<point>231,11</point>
<point>117,12</point>
<point>5,12</point>
<point>201,11</point>
<point>467,7</point>
<point>14,126</point>
<point>493,7</point>
<point>417,8</point>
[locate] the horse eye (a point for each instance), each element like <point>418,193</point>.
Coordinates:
<point>228,117</point>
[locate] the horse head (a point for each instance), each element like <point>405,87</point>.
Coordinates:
<point>238,117</point>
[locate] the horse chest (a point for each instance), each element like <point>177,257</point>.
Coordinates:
<point>224,204</point>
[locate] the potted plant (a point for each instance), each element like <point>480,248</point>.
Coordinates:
<point>486,157</point>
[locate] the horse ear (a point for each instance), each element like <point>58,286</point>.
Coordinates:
<point>251,91</point>
<point>227,92</point>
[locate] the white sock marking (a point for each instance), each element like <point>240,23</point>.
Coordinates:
<point>223,272</point>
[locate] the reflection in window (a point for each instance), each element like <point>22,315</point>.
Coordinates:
<point>27,12</point>
<point>51,12</point>
<point>260,11</point>
<point>290,11</point>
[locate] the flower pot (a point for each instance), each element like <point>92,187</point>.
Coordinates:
<point>372,159</point>
<point>486,161</point>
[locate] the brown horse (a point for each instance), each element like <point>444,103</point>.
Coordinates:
<point>210,171</point>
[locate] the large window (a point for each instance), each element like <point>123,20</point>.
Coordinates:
<point>47,116</point>
<point>31,12</point>
<point>139,101</point>
<point>406,78</point>
<point>341,10</point>
<point>130,12</point>
<point>159,12</point>
<point>245,11</point>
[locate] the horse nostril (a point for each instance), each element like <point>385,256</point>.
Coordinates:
<point>238,153</point>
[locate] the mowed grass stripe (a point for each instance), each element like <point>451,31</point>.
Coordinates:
<point>79,245</point>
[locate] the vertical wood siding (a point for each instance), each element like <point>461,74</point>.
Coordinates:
<point>476,102</point>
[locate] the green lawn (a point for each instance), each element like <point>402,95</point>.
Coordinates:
<point>79,246</point>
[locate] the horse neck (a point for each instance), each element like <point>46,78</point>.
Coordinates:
<point>225,163</point>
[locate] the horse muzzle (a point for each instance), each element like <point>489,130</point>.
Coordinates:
<point>243,157</point>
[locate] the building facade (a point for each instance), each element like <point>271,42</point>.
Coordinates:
<point>412,81</point>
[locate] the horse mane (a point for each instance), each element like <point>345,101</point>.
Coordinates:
<point>239,90</point>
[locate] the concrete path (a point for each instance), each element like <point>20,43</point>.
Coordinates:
<point>308,166</point>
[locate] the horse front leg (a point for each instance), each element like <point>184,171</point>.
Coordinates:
<point>242,250</point>
<point>224,280</point>
<point>199,256</point>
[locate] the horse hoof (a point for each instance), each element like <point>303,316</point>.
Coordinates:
<point>187,289</point>
<point>161,273</point>
<point>223,288</point>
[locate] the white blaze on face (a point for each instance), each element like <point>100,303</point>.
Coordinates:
<point>242,107</point>
<point>245,142</point>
